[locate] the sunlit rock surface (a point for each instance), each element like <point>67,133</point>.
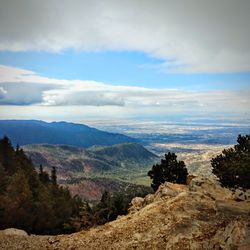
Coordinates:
<point>202,215</point>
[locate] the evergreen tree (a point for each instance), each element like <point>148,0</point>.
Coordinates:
<point>113,205</point>
<point>18,212</point>
<point>232,167</point>
<point>53,176</point>
<point>43,176</point>
<point>7,155</point>
<point>29,200</point>
<point>3,179</point>
<point>169,170</point>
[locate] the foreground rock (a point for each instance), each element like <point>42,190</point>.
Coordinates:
<point>14,231</point>
<point>201,215</point>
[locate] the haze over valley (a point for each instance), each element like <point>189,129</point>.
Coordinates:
<point>196,141</point>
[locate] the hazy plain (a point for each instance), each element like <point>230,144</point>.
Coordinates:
<point>195,141</point>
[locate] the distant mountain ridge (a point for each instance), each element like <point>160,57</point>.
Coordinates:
<point>24,132</point>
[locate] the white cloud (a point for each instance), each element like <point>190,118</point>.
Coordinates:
<point>97,98</point>
<point>11,74</point>
<point>190,36</point>
<point>83,98</point>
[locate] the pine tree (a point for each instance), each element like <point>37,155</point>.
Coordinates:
<point>53,176</point>
<point>43,176</point>
<point>7,155</point>
<point>169,170</point>
<point>232,167</point>
<point>29,200</point>
<point>18,209</point>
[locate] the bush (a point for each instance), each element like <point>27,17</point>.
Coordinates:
<point>232,167</point>
<point>169,170</point>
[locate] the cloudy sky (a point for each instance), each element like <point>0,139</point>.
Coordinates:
<point>74,60</point>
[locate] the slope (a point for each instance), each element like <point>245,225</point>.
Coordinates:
<point>88,172</point>
<point>96,159</point>
<point>202,215</point>
<point>25,132</point>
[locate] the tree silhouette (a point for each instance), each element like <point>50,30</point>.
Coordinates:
<point>53,176</point>
<point>43,176</point>
<point>169,170</point>
<point>232,167</point>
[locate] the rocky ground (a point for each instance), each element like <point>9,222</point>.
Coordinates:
<point>201,215</point>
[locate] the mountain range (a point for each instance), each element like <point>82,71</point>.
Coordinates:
<point>24,132</point>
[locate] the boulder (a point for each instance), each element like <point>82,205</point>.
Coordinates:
<point>14,231</point>
<point>210,188</point>
<point>136,204</point>
<point>241,194</point>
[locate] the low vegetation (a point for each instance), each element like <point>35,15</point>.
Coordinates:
<point>91,189</point>
<point>108,209</point>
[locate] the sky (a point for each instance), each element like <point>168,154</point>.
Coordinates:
<point>75,60</point>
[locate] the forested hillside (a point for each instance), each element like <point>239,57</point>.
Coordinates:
<point>94,159</point>
<point>33,201</point>
<point>30,200</point>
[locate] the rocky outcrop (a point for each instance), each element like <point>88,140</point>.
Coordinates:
<point>201,215</point>
<point>241,194</point>
<point>14,231</point>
